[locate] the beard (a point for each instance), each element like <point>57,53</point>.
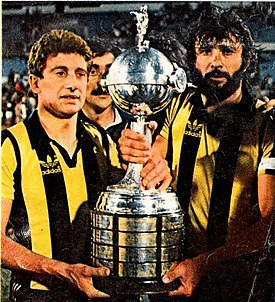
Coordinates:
<point>231,119</point>
<point>214,92</point>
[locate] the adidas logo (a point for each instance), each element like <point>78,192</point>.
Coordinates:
<point>193,129</point>
<point>50,167</point>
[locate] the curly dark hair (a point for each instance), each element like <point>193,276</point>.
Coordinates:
<point>217,23</point>
<point>100,46</point>
<point>51,44</point>
<point>168,44</point>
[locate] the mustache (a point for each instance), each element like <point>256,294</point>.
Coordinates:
<point>217,73</point>
<point>99,91</point>
<point>70,96</point>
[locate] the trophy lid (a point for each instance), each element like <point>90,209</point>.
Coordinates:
<point>142,80</point>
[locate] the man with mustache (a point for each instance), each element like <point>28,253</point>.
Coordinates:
<point>99,107</point>
<point>220,149</point>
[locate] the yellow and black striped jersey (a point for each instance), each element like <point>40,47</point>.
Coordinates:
<point>215,159</point>
<point>48,189</point>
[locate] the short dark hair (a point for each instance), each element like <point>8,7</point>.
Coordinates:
<point>51,44</point>
<point>217,23</point>
<point>100,46</point>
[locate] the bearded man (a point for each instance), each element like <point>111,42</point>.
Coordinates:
<point>220,149</point>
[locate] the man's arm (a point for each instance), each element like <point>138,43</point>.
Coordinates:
<point>254,238</point>
<point>266,193</point>
<point>135,148</point>
<point>17,257</point>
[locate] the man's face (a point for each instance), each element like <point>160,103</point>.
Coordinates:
<point>62,89</point>
<point>96,97</point>
<point>218,66</point>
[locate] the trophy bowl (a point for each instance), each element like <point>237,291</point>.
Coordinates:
<point>144,82</point>
<point>138,236</point>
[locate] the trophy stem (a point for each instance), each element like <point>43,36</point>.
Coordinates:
<point>132,176</point>
<point>132,179</point>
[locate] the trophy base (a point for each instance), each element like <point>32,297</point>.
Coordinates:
<point>128,287</point>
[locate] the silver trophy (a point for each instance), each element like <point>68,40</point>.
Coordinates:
<point>136,232</point>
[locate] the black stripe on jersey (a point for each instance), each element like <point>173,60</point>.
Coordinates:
<point>226,161</point>
<point>55,190</point>
<point>95,184</point>
<point>95,163</point>
<point>272,122</point>
<point>225,167</point>
<point>189,150</point>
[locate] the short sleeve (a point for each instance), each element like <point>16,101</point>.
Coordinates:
<point>8,166</point>
<point>267,162</point>
<point>171,112</point>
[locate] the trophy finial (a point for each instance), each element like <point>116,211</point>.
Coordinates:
<point>142,25</point>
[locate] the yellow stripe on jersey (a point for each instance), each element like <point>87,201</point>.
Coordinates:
<point>75,195</point>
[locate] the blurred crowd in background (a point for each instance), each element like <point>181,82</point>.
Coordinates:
<point>17,100</point>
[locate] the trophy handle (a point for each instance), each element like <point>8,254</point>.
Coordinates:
<point>132,179</point>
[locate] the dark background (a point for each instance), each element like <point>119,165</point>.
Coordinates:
<point>23,22</point>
